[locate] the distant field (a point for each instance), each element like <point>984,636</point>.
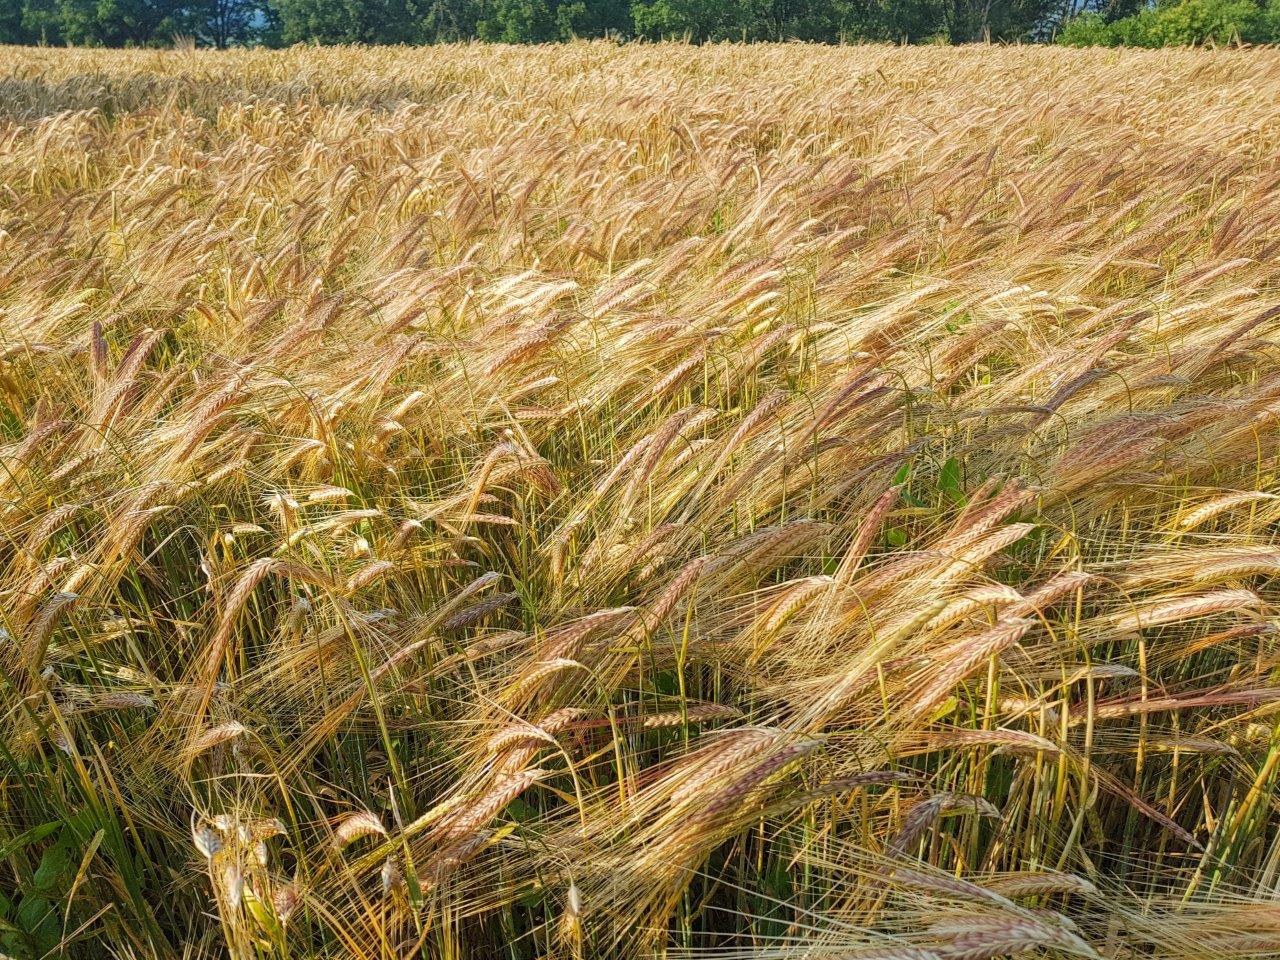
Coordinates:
<point>598,501</point>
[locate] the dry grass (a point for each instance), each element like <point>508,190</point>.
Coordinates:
<point>597,501</point>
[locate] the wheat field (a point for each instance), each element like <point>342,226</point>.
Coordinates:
<point>631,501</point>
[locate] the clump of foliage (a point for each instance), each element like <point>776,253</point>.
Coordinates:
<point>1181,23</point>
<point>625,501</point>
<point>155,23</point>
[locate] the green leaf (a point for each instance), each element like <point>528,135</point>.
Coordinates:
<point>23,840</point>
<point>54,866</point>
<point>949,481</point>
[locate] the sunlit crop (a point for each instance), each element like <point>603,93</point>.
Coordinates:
<point>617,501</point>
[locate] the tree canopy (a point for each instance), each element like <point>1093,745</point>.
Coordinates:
<point>273,22</point>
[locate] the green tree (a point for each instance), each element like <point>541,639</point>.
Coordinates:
<point>350,21</point>
<point>223,23</point>
<point>121,23</point>
<point>543,21</point>
<point>699,19</point>
<point>41,21</point>
<point>519,21</point>
<point>11,22</point>
<point>228,22</point>
<point>449,20</point>
<point>965,21</point>
<point>1179,23</point>
<point>30,21</point>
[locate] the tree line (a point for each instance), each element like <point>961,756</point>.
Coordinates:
<point>222,23</point>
